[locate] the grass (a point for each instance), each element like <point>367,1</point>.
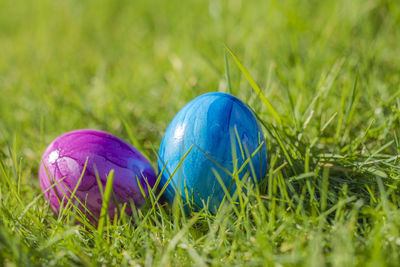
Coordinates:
<point>322,76</point>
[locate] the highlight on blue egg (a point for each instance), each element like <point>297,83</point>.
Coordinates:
<point>211,138</point>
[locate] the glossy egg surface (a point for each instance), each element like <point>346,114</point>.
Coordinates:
<point>64,160</point>
<point>206,126</point>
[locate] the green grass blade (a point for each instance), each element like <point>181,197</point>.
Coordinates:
<point>351,100</point>
<point>255,86</point>
<point>227,74</point>
<point>106,202</point>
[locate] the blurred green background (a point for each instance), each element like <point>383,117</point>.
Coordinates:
<point>79,64</point>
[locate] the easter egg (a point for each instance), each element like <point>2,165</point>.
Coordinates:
<point>64,161</point>
<point>210,138</point>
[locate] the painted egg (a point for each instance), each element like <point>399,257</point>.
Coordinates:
<point>63,163</point>
<point>210,138</point>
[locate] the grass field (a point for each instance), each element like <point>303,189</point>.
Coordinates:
<point>330,69</point>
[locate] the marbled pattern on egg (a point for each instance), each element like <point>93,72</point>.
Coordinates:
<point>65,158</point>
<point>207,124</point>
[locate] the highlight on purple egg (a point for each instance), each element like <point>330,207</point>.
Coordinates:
<point>63,163</point>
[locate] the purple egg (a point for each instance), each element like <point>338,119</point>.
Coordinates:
<point>64,160</point>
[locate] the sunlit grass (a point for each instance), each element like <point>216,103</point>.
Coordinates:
<point>322,77</point>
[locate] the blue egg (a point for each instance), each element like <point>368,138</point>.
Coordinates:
<point>208,130</point>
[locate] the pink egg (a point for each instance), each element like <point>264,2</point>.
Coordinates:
<point>63,163</point>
